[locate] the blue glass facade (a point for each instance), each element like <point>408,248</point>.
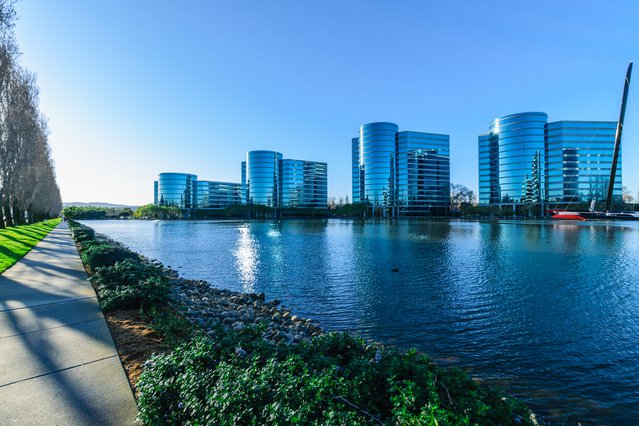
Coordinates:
<point>263,178</point>
<point>579,158</point>
<point>423,174</point>
<point>155,192</point>
<point>377,164</point>
<point>245,195</point>
<point>216,195</point>
<point>355,169</point>
<point>175,189</point>
<point>524,159</point>
<point>184,191</point>
<point>401,173</point>
<point>304,184</point>
<point>516,145</point>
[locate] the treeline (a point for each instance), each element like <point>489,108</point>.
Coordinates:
<point>28,189</point>
<point>151,211</point>
<point>80,213</point>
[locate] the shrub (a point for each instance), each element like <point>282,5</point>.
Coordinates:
<point>98,254</point>
<point>131,284</point>
<point>80,232</point>
<point>238,378</point>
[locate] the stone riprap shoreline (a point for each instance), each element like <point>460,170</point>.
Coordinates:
<point>209,307</point>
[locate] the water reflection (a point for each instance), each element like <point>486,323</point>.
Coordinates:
<point>550,310</point>
<point>246,258</point>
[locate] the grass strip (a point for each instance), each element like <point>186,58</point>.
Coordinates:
<point>16,241</point>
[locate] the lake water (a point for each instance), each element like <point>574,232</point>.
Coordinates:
<point>548,310</point>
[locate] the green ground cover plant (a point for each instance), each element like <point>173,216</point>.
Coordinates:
<point>227,377</point>
<point>121,277</point>
<point>15,242</point>
<point>238,378</point>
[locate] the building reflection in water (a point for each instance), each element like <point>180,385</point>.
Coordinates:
<point>246,258</point>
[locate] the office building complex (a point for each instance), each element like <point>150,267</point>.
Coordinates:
<point>401,173</point>
<point>525,159</point>
<point>270,180</point>
<point>184,191</point>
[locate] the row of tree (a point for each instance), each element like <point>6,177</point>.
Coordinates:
<point>28,188</point>
<point>96,213</point>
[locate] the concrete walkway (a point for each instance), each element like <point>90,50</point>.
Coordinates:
<point>58,363</point>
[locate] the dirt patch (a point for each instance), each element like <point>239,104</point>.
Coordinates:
<point>135,341</point>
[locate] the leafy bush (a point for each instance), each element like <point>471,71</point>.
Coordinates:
<point>131,283</point>
<point>98,254</point>
<point>238,378</point>
<point>174,329</point>
<point>80,232</point>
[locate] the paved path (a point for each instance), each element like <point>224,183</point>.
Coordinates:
<point>58,363</point>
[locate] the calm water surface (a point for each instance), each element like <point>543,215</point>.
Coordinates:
<point>548,310</point>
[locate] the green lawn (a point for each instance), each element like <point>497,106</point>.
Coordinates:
<point>16,242</point>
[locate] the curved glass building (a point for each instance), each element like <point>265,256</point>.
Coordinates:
<point>525,159</point>
<point>176,189</point>
<point>377,145</point>
<point>263,179</point>
<point>512,159</point>
<point>401,173</point>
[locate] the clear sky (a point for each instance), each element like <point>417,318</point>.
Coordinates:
<point>134,88</point>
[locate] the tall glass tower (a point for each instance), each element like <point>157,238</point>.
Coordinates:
<point>400,173</point>
<point>579,158</point>
<point>377,164</point>
<point>516,145</point>
<point>263,178</point>
<point>304,184</point>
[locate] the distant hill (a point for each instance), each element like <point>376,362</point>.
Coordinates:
<point>98,204</point>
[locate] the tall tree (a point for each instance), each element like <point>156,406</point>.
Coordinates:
<point>28,188</point>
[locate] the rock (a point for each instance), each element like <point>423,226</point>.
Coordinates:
<point>237,326</point>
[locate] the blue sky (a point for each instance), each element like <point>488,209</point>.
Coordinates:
<point>134,88</point>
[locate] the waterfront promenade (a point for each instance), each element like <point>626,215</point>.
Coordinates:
<point>58,364</point>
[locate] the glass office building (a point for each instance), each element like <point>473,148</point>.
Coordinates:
<point>401,173</point>
<point>376,152</point>
<point>304,184</point>
<point>184,191</point>
<point>516,145</point>
<point>525,159</point>
<point>175,189</point>
<point>216,195</point>
<point>423,174</point>
<point>262,180</point>
<point>579,158</point>
<point>355,169</point>
<point>270,180</point>
<point>155,192</point>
